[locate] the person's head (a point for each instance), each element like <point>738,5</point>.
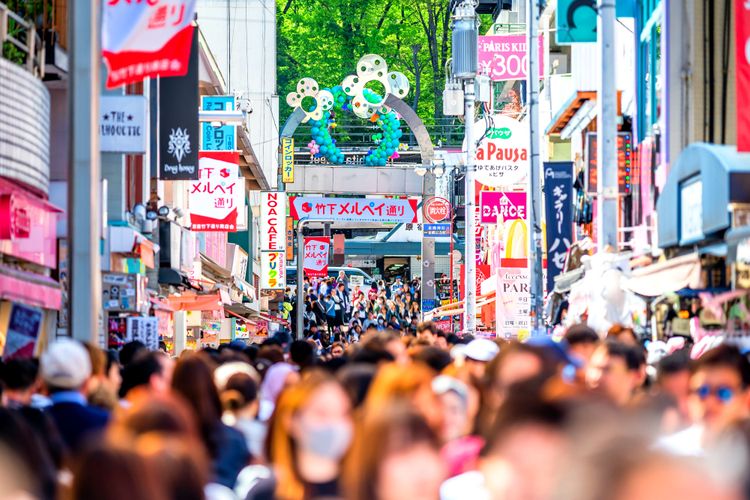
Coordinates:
<point>164,414</point>
<point>618,370</point>
<point>19,379</point>
<point>432,356</point>
<point>30,459</point>
<point>341,287</point>
<point>309,433</point>
<point>441,340</point>
<point>582,342</point>
<point>130,350</point>
<point>673,375</point>
<point>65,366</point>
<point>719,388</point>
<point>356,379</point>
<point>395,455</point>
<point>337,349</point>
<point>454,401</point>
<point>477,355</point>
<point>146,371</point>
<point>516,363</point>
<point>426,332</point>
<point>240,397</point>
<point>302,354</point>
<point>623,334</point>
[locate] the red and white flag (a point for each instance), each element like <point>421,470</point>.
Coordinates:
<point>143,38</point>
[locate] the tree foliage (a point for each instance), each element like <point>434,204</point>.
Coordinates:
<point>323,39</point>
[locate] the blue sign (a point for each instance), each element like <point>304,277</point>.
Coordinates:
<point>428,305</point>
<point>576,21</point>
<point>218,102</point>
<point>558,209</point>
<point>437,230</point>
<point>222,137</point>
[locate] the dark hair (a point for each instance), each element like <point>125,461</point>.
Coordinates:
<point>166,414</point>
<point>302,353</point>
<point>633,356</point>
<point>673,363</point>
<point>434,357</point>
<point>19,374</point>
<point>240,391</point>
<point>453,339</point>
<point>272,353</point>
<point>581,334</point>
<point>427,325</point>
<point>356,379</point>
<point>726,356</point>
<point>130,350</point>
<point>139,371</point>
<point>251,351</point>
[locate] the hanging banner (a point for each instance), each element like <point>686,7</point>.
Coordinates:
<point>385,210</point>
<point>272,271</point>
<point>317,249</point>
<point>272,221</point>
<point>289,239</point>
<point>504,57</point>
<point>576,21</point>
<point>215,197</point>
<point>178,123</point>
<point>146,39</point>
<point>124,124</point>
<point>504,205</point>
<point>502,156</point>
<point>287,160</point>
<point>221,137</point>
<point>558,209</point>
<point>742,61</point>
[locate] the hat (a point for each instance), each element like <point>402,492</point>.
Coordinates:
<point>66,364</point>
<point>443,384</point>
<point>481,350</point>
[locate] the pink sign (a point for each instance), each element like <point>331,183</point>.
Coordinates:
<point>509,206</point>
<point>316,256</point>
<point>503,57</point>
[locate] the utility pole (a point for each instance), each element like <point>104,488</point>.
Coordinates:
<point>84,177</point>
<point>606,126</point>
<point>535,187</point>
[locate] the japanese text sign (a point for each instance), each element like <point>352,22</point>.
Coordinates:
<point>502,156</point>
<point>504,57</point>
<point>222,137</point>
<point>385,210</point>
<point>558,208</point>
<point>145,330</point>
<point>215,197</point>
<point>508,206</point>
<point>272,221</point>
<point>146,39</point>
<point>287,160</point>
<point>317,249</point>
<point>272,271</point>
<point>437,230</point>
<point>742,80</point>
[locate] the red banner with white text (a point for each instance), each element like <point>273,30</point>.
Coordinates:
<point>742,49</point>
<point>316,256</point>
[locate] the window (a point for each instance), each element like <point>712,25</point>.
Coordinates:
<point>649,66</point>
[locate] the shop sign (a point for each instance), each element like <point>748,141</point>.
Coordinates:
<point>272,271</point>
<point>144,329</point>
<point>691,210</point>
<point>513,294</point>
<point>625,178</point>
<point>287,160</point>
<point>436,209</point>
<point>124,124</point>
<point>317,249</point>
<point>483,272</point>
<point>576,21</point>
<point>178,122</point>
<point>146,39</point>
<point>289,239</point>
<point>436,230</point>
<point>384,210</point>
<point>221,137</point>
<point>214,197</point>
<point>742,61</point>
<point>502,156</point>
<point>22,333</point>
<point>272,220</point>
<point>504,57</point>
<point>14,219</point>
<point>558,209</point>
<point>504,206</point>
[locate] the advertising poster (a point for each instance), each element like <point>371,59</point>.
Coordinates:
<point>558,209</point>
<point>504,206</point>
<point>215,196</point>
<point>22,334</point>
<point>272,270</point>
<point>317,250</point>
<point>272,221</point>
<point>504,57</point>
<point>502,156</point>
<point>385,210</point>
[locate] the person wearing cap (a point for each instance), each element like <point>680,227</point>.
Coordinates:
<point>477,354</point>
<point>66,369</point>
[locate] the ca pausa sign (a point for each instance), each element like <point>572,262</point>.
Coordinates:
<point>384,210</point>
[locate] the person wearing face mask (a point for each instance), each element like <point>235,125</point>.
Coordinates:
<point>309,434</point>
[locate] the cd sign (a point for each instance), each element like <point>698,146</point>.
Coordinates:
<point>436,209</point>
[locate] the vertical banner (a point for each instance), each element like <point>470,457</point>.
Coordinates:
<point>146,39</point>
<point>287,160</point>
<point>317,249</point>
<point>215,196</point>
<point>289,239</point>
<point>178,122</point>
<point>742,49</point>
<point>272,221</point>
<point>558,208</point>
<point>272,271</point>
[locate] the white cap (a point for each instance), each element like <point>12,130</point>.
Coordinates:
<point>224,372</point>
<point>481,350</point>
<point>66,364</point>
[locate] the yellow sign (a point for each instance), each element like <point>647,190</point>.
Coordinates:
<point>287,160</point>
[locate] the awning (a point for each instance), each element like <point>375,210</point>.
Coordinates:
<point>161,305</point>
<point>29,288</point>
<point>195,302</point>
<point>665,277</point>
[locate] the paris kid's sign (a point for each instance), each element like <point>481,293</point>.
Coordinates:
<point>502,156</point>
<point>385,210</point>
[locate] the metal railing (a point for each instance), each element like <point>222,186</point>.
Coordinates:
<point>20,42</point>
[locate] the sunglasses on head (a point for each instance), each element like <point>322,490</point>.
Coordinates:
<point>722,392</point>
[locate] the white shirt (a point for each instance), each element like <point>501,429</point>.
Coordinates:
<point>467,485</point>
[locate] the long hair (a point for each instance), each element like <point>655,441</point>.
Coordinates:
<point>280,447</point>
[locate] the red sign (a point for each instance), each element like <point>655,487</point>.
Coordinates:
<point>483,273</point>
<point>509,206</point>
<point>215,196</point>
<point>143,38</point>
<point>316,256</point>
<point>742,49</point>
<point>14,219</point>
<point>436,209</point>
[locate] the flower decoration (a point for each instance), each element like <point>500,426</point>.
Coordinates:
<point>373,68</point>
<point>307,87</point>
<point>314,148</point>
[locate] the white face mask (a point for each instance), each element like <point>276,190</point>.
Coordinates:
<point>329,441</point>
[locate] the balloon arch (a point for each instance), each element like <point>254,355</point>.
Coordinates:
<point>319,107</point>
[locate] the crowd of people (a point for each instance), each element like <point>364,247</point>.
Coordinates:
<point>397,414</point>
